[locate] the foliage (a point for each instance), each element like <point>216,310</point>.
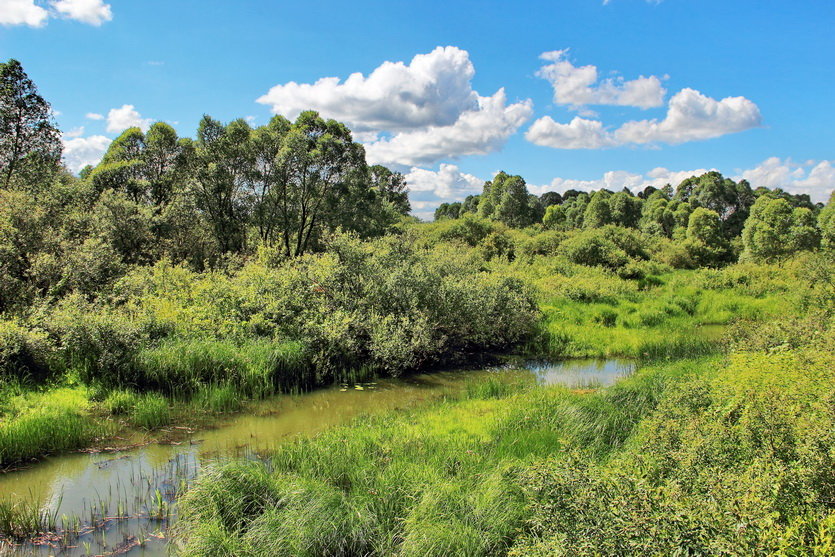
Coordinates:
<point>30,144</point>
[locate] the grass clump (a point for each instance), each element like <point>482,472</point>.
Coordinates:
<point>218,398</point>
<point>151,411</point>
<point>121,402</point>
<point>21,518</point>
<point>41,423</point>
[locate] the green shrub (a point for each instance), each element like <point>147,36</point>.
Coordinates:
<point>24,352</point>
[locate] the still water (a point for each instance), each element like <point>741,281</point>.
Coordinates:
<point>122,504</point>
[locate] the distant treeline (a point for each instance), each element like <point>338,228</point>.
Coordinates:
<point>716,219</point>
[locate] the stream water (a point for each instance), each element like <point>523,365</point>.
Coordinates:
<point>122,504</point>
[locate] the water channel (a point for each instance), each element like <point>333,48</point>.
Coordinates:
<point>122,503</point>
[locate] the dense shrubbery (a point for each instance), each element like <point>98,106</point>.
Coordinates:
<point>383,307</point>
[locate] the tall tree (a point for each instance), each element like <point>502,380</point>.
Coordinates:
<point>320,156</point>
<point>391,187</point>
<point>222,166</point>
<point>506,199</point>
<point>30,144</point>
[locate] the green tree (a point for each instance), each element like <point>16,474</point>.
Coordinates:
<point>391,187</point>
<point>598,213</point>
<point>767,233</point>
<point>506,199</point>
<point>221,168</point>
<point>30,144</point>
<point>826,222</point>
<point>554,218</point>
<point>625,209</point>
<point>448,211</point>
<point>470,204</point>
<point>804,233</point>
<point>550,198</point>
<point>705,242</point>
<point>319,155</point>
<point>147,167</point>
<point>730,200</point>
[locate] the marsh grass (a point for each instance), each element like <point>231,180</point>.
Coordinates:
<point>21,518</point>
<point>48,422</point>
<point>255,368</point>
<point>442,480</point>
<point>151,411</point>
<point>120,402</point>
<point>218,399</point>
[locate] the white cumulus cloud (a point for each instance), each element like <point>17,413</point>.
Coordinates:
<point>580,133</point>
<point>448,182</point>
<point>579,86</point>
<point>815,178</point>
<point>413,114</point>
<point>92,12</point>
<point>120,119</point>
<point>75,132</point>
<point>692,116</point>
<point>475,132</point>
<point>28,12</point>
<point>81,151</point>
<point>94,116</point>
<point>432,90</point>
<point>22,12</point>
<point>616,180</point>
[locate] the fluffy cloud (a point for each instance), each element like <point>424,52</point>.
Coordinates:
<point>448,182</point>
<point>815,178</point>
<point>27,12</point>
<point>411,114</point>
<point>432,90</point>
<point>81,151</point>
<point>579,86</point>
<point>577,134</point>
<point>93,12</point>
<point>22,12</point>
<point>75,132</point>
<point>94,116</point>
<point>120,119</point>
<point>475,132</point>
<point>691,116</point>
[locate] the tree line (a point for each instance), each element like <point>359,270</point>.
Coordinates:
<point>715,218</point>
<point>232,190</point>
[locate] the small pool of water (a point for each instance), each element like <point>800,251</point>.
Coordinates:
<point>123,503</point>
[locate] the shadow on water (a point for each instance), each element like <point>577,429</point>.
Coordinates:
<point>117,504</point>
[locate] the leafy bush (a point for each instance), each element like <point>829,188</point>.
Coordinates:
<point>24,352</point>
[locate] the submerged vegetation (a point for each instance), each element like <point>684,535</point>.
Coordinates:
<point>186,277</point>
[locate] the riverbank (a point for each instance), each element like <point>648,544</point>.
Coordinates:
<point>713,455</point>
<point>583,313</point>
<point>113,496</point>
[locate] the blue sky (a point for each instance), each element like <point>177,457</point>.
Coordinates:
<point>575,93</point>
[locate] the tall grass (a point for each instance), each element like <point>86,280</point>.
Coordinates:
<point>151,411</point>
<point>20,518</point>
<point>443,480</point>
<point>42,423</point>
<point>255,368</point>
